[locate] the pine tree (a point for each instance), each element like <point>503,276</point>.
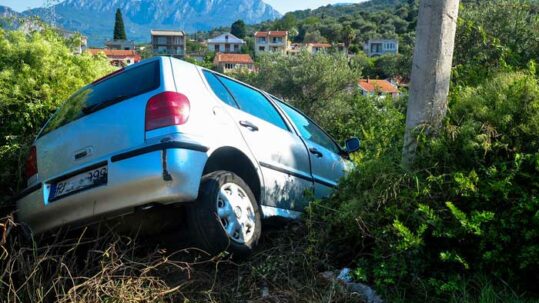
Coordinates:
<point>119,28</point>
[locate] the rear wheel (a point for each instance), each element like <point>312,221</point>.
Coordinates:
<point>225,215</point>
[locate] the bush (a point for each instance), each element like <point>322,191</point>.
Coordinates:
<point>37,72</point>
<point>469,206</point>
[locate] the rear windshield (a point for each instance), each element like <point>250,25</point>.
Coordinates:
<point>108,91</point>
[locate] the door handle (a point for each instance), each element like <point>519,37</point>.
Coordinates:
<point>249,125</point>
<point>316,152</point>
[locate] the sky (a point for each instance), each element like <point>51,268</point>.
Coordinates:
<point>21,5</point>
<point>282,6</point>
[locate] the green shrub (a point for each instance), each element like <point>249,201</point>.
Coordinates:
<point>37,72</point>
<point>469,206</point>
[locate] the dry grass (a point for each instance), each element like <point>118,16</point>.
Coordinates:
<point>107,267</point>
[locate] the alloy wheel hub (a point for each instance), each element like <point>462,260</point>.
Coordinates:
<point>236,213</point>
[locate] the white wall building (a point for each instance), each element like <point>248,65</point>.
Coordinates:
<point>381,47</point>
<point>225,43</point>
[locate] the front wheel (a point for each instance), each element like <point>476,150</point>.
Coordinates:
<point>225,215</point>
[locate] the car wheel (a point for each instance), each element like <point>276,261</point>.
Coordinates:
<point>225,216</point>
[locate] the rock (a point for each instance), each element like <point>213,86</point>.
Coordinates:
<point>345,278</point>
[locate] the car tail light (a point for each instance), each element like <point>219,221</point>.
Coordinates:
<point>167,109</point>
<point>31,163</point>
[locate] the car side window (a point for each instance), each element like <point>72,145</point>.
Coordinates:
<point>253,102</point>
<point>308,130</point>
<point>219,89</point>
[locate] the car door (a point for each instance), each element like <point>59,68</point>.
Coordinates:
<point>327,165</point>
<point>283,157</point>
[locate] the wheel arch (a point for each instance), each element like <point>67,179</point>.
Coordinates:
<point>233,160</point>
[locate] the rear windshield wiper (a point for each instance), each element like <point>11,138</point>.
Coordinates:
<point>93,108</point>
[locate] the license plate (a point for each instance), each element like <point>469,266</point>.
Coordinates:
<point>81,182</point>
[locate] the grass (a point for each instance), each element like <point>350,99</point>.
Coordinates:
<point>102,266</point>
<point>106,267</point>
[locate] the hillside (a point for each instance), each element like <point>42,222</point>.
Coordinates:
<point>142,15</point>
<point>352,24</point>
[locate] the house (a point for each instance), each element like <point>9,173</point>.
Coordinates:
<point>169,42</point>
<point>294,49</point>
<point>120,44</point>
<point>378,88</point>
<point>118,57</point>
<point>233,62</point>
<point>381,47</point>
<point>315,48</point>
<point>225,43</point>
<point>272,41</point>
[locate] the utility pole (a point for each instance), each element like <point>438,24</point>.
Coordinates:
<point>431,71</point>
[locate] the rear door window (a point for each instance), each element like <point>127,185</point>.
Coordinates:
<point>219,89</point>
<point>253,102</point>
<point>110,90</point>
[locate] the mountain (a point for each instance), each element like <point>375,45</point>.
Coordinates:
<point>8,17</point>
<point>95,18</point>
<point>7,12</point>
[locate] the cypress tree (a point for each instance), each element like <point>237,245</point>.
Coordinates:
<point>119,28</point>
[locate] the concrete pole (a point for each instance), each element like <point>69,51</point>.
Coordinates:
<point>431,70</point>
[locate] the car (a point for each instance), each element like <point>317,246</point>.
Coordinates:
<point>166,132</point>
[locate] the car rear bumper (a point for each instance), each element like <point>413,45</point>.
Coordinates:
<point>164,174</point>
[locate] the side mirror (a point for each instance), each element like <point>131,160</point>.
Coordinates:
<point>352,145</point>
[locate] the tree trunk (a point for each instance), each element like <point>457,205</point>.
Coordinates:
<point>431,71</point>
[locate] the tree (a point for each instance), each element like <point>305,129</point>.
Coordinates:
<point>287,23</point>
<point>431,70</point>
<point>238,29</point>
<point>119,28</point>
<point>39,71</point>
<point>314,37</point>
<point>348,35</point>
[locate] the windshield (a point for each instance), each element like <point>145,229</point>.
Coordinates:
<point>123,84</point>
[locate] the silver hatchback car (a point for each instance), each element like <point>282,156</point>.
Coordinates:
<point>166,132</point>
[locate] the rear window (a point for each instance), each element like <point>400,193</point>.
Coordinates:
<point>105,92</point>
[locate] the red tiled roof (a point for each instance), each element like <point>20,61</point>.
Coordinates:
<point>382,86</point>
<point>233,58</point>
<point>271,34</point>
<point>116,53</point>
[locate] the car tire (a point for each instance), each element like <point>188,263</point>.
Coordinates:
<point>226,216</point>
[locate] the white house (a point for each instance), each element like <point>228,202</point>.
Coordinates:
<point>225,43</point>
<point>272,41</point>
<point>381,47</point>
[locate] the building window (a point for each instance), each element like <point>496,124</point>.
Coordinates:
<point>277,40</point>
<point>229,66</point>
<point>217,48</point>
<point>162,50</point>
<point>261,48</point>
<point>262,40</point>
<point>161,40</point>
<point>236,48</point>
